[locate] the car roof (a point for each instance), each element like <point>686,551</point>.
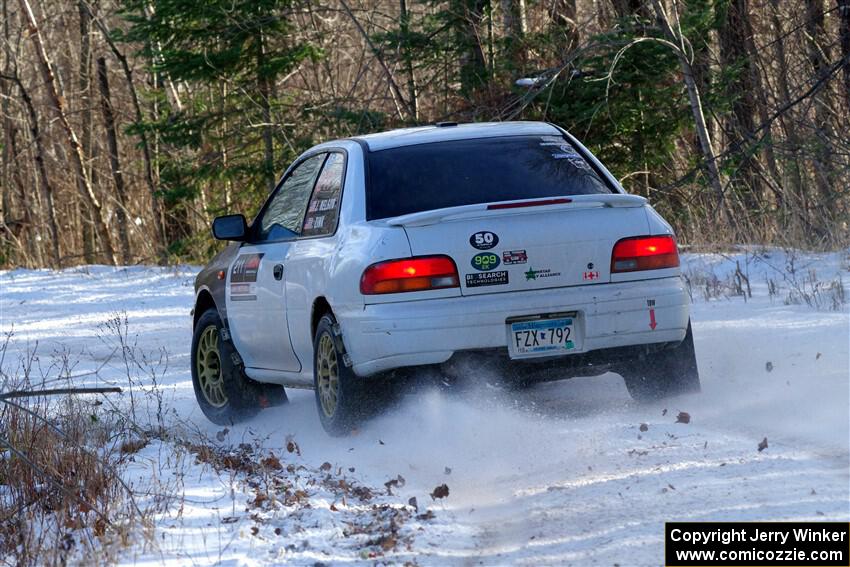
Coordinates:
<point>450,131</point>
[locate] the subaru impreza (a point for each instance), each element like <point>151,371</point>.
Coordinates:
<point>503,245</point>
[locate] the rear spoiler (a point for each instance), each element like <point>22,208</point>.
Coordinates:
<point>424,218</point>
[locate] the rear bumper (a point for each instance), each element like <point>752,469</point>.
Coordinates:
<point>393,335</point>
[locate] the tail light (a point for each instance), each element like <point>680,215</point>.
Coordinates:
<point>644,253</point>
<point>409,274</point>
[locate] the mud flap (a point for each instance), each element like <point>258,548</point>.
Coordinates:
<point>340,345</point>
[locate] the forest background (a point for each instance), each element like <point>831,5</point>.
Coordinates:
<point>128,124</point>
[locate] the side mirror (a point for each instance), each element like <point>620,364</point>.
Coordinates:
<point>230,227</point>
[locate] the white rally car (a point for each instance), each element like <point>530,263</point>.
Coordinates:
<point>505,244</point>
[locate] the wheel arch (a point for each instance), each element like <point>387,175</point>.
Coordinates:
<point>321,307</point>
<point>203,302</point>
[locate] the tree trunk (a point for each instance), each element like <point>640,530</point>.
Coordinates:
<point>703,58</point>
<point>763,112</point>
<point>402,105</point>
<point>787,119</point>
<point>468,16</point>
<point>631,9</point>
<point>73,142</point>
<point>159,237</point>
<point>563,14</point>
<point>734,38</point>
<point>84,76</point>
<point>41,169</point>
<point>265,92</point>
<point>844,40</point>
<point>6,171</point>
<point>514,29</point>
<point>819,59</point>
<point>114,163</point>
<point>16,227</point>
<point>407,57</point>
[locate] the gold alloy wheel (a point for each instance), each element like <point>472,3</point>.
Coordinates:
<point>209,368</point>
<point>328,374</point>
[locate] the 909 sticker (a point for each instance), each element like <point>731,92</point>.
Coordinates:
<point>485,261</point>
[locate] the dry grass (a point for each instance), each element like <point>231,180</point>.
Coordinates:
<point>62,499</point>
<point>62,496</point>
<point>786,279</point>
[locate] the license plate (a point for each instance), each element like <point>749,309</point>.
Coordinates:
<point>542,337</point>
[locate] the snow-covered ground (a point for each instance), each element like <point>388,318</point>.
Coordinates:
<point>558,474</point>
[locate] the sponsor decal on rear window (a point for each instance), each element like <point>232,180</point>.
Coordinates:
<point>314,223</point>
<point>484,240</point>
<point>514,257</point>
<point>321,205</point>
<point>577,161</point>
<point>323,211</point>
<point>485,261</point>
<point>563,150</point>
<point>487,278</point>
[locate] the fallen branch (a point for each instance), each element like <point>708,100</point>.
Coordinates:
<point>58,392</point>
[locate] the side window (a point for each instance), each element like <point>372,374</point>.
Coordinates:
<point>323,211</point>
<point>282,217</point>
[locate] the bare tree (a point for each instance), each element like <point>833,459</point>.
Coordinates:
<point>407,57</point>
<point>84,85</point>
<point>155,201</point>
<point>676,41</point>
<point>787,119</point>
<point>47,190</point>
<point>766,149</point>
<point>819,58</point>
<point>844,40</point>
<point>515,27</point>
<point>734,39</point>
<point>564,15</point>
<point>114,160</point>
<point>73,142</point>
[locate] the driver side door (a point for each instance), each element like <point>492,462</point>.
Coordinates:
<point>256,302</point>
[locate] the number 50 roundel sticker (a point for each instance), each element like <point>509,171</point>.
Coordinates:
<point>484,240</point>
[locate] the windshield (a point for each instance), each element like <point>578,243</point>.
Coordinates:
<point>424,177</point>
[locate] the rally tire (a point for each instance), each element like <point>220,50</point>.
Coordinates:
<point>666,373</point>
<point>340,393</point>
<point>224,392</point>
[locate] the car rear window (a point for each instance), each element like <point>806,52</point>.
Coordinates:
<point>424,177</point>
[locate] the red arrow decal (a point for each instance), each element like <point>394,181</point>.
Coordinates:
<point>652,323</point>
